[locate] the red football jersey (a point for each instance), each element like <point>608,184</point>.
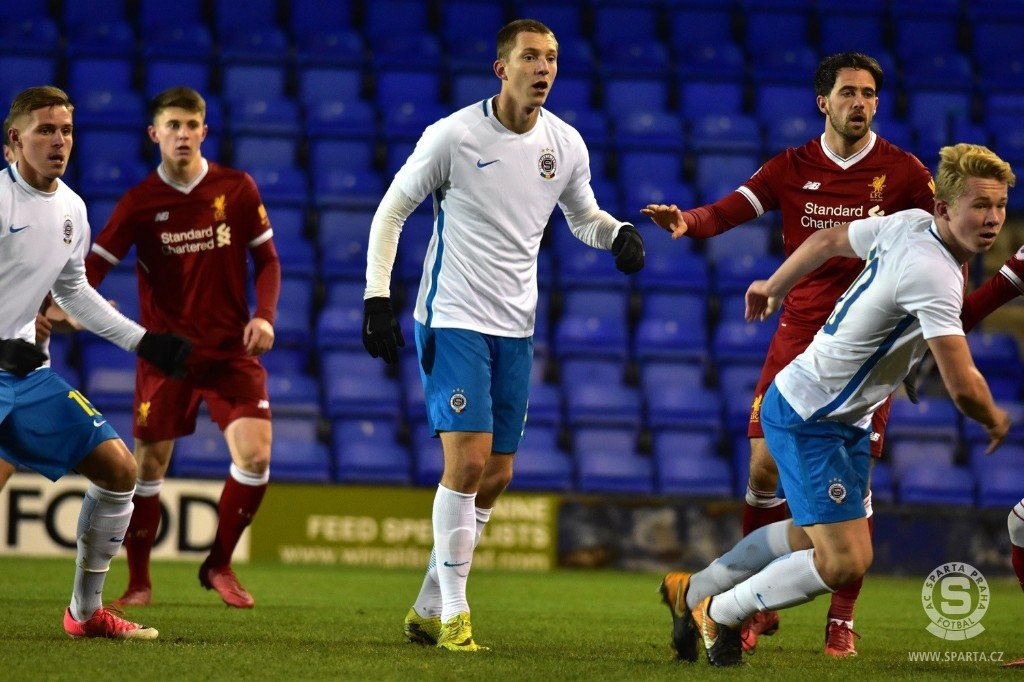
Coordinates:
<point>192,251</point>
<point>815,189</point>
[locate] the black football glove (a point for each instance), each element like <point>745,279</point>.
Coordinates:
<point>166,351</point>
<point>382,336</point>
<point>19,357</point>
<point>628,249</point>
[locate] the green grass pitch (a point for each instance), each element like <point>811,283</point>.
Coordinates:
<point>317,622</point>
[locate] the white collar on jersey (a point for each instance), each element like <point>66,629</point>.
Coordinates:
<point>20,181</point>
<point>181,187</point>
<point>845,163</point>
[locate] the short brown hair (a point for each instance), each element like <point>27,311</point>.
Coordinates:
<point>828,69</point>
<point>962,161</point>
<point>179,97</point>
<point>507,35</point>
<point>39,97</point>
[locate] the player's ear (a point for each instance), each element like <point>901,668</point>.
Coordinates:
<point>822,103</point>
<point>499,69</point>
<point>942,209</point>
<point>151,130</point>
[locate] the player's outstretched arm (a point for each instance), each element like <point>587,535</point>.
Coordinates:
<point>764,297</point>
<point>968,388</point>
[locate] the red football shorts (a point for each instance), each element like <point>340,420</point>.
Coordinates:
<point>786,345</point>
<point>166,408</point>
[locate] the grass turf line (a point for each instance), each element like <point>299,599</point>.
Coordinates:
<point>326,622</point>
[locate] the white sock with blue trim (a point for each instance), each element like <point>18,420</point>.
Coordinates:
<point>102,523</point>
<point>428,601</point>
<point>747,557</point>
<point>454,534</point>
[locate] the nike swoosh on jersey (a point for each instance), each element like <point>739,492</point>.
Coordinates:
<point>15,230</point>
<point>481,164</point>
<point>98,424</point>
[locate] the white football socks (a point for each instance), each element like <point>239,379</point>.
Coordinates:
<point>789,581</point>
<point>428,601</point>
<point>102,523</point>
<point>454,533</point>
<point>747,557</point>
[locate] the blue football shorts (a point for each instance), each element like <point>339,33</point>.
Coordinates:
<point>46,425</point>
<point>476,382</point>
<point>823,466</point>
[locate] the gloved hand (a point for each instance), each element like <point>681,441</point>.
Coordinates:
<point>628,249</point>
<point>382,336</point>
<point>19,357</point>
<point>167,351</point>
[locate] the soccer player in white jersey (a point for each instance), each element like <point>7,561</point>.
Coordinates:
<point>45,424</point>
<point>817,412</point>
<point>496,170</point>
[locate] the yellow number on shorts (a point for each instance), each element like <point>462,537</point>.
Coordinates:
<point>83,402</point>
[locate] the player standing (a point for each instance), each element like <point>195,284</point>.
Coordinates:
<point>817,412</point>
<point>45,424</point>
<point>496,170</point>
<point>193,224</point>
<point>849,172</point>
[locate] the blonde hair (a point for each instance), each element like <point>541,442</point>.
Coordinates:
<point>39,97</point>
<point>962,161</point>
<point>508,34</point>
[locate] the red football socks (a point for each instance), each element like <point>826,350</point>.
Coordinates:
<point>139,539</point>
<point>238,504</point>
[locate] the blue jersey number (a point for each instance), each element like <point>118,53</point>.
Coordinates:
<point>857,288</point>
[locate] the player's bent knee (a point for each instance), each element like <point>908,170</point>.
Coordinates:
<point>842,568</point>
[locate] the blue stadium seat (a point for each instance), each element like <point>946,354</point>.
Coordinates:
<point>936,485</point>
<point>1009,454</point>
<point>774,102</point>
<point>357,386</point>
<point>742,343</point>
<point>259,44</point>
<point>565,19</point>
<point>313,15</point>
<point>267,117</point>
<point>622,95</point>
<point>635,59</point>
<point>540,464</point>
<point>674,269</point>
<point>248,81</point>
<point>591,336</point>
<point>769,27</point>
<point>466,20</point>
<point>790,131</point>
<point>328,154</point>
<point>110,387</point>
<point>738,380</point>
<point>99,213</point>
<point>388,17</point>
<point>397,87</point>
<point>292,327</point>
<point>974,434</point>
<point>715,171</point>
<point>286,361</point>
<point>929,33</point>
<point>625,22</point>
<point>654,130</point>
<point>391,53</point>
<point>226,14</point>
<point>785,64</point>
<point>169,73</point>
<point>842,31</point>
<point>701,24</point>
<point>1000,486</point>
<point>545,404</point>
<point>752,238</point>
<point>942,71</point>
<point>109,109</point>
<point>78,13</point>
<point>103,38</point>
<point>184,42</point>
<point>734,274</point>
<point>428,460</point>
<point>596,302</point>
<point>606,462</point>
<point>906,452</point>
<point>204,454</point>
<point>329,47</point>
<point>576,371</point>
<point>1006,73</point>
<point>740,459</point>
<point>356,189</point>
<point>657,166</point>
<point>258,151</point>
<point>340,326</point>
<point>596,404</point>
<point>109,179</point>
<point>718,62</point>
<point>693,475</point>
<point>471,88</point>
<point>37,36</point>
<point>581,265</point>
<point>18,72</point>
<point>293,395</point>
<point>329,83</point>
<point>100,73</point>
<point>371,462</point>
<point>674,406</point>
<point>882,484</point>
<point>725,133</point>
<point>682,336</point>
<point>932,418</point>
<point>337,118</point>
<point>412,384</point>
<point>301,461</point>
<point>406,121</point>
<point>282,186</point>
<point>342,238</point>
<point>996,353</point>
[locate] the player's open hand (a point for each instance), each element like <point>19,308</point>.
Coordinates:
<point>668,218</point>
<point>258,336</point>
<point>997,433</point>
<point>760,303</point>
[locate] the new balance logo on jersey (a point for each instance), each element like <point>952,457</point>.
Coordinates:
<point>812,185</point>
<point>162,216</point>
<point>263,405</point>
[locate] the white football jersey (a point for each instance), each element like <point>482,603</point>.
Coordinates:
<point>43,241</point>
<point>494,191</point>
<point>911,289</point>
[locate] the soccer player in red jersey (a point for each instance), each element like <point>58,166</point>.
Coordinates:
<point>847,173</point>
<point>193,224</point>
